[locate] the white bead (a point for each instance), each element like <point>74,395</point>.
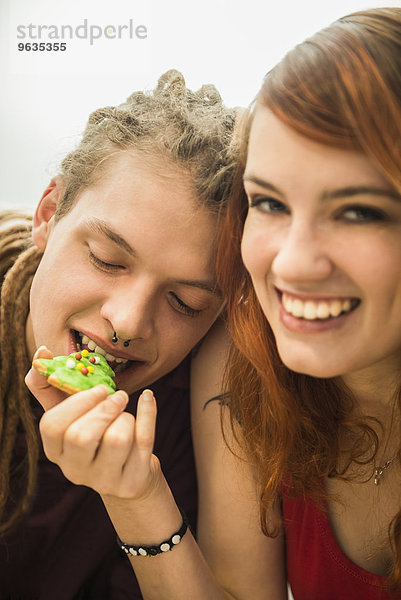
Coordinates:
<point>71,363</point>
<point>97,360</point>
<point>165,547</point>
<point>176,539</point>
<point>133,552</point>
<point>142,552</point>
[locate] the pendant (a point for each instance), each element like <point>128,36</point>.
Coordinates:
<point>378,472</point>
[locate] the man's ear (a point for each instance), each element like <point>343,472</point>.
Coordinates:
<point>44,215</point>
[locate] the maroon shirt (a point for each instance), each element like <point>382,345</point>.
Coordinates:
<point>65,548</point>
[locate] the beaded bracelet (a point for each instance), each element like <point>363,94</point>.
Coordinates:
<point>160,548</point>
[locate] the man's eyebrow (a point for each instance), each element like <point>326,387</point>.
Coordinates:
<point>345,192</point>
<point>203,285</point>
<point>99,226</point>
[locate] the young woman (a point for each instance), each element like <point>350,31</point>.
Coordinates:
<point>315,394</point>
<point>121,259</point>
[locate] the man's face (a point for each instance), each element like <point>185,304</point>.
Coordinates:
<point>135,255</point>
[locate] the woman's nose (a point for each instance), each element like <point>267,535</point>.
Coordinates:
<point>302,255</point>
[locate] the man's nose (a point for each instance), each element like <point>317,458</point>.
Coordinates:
<point>131,311</point>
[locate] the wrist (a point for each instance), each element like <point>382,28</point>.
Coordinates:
<point>146,519</point>
<point>160,547</point>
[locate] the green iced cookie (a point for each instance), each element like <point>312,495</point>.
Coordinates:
<point>76,372</point>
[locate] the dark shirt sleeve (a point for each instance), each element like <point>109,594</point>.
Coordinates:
<point>65,548</point>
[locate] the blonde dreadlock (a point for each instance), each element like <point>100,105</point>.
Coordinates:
<point>18,262</point>
<point>192,129</point>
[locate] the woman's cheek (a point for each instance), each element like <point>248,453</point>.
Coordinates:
<point>253,250</point>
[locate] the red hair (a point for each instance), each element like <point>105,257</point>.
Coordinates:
<point>342,88</point>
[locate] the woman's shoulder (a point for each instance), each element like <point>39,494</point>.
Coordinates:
<point>212,352</point>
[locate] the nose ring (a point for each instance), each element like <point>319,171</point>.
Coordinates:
<point>114,339</point>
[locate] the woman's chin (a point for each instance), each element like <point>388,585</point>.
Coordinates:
<point>313,366</point>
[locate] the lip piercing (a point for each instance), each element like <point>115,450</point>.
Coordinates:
<point>114,339</point>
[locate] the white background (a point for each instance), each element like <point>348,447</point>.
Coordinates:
<point>46,97</point>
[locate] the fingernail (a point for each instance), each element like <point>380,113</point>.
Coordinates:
<point>147,395</point>
<point>120,398</point>
<point>103,388</point>
<point>39,350</point>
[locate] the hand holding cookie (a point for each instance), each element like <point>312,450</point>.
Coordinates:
<point>89,435</point>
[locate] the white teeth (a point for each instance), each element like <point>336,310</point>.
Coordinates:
<point>85,339</point>
<point>100,350</point>
<point>346,305</point>
<point>297,308</point>
<point>311,310</point>
<point>91,345</point>
<point>110,357</point>
<point>323,310</point>
<point>335,308</point>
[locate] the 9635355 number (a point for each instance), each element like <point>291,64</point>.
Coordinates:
<point>42,47</point>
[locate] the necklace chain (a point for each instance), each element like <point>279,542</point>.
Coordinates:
<point>378,471</point>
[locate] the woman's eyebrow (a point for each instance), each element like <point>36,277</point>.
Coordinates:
<point>357,190</point>
<point>99,226</point>
<point>345,192</point>
<point>261,183</point>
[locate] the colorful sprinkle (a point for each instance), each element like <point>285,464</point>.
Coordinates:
<point>90,369</point>
<point>70,363</point>
<point>97,359</point>
<point>85,352</point>
<point>84,371</point>
<point>80,366</point>
<point>78,356</point>
<point>92,359</point>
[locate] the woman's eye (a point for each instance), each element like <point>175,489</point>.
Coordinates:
<point>104,266</point>
<point>180,306</point>
<point>362,214</point>
<point>267,205</point>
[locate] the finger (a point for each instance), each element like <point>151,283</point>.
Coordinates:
<point>56,421</point>
<point>47,395</point>
<point>138,464</point>
<point>113,451</point>
<point>83,437</point>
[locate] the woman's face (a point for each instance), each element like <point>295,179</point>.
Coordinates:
<point>322,243</point>
<point>135,255</point>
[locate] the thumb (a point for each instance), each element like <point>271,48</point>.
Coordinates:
<point>47,395</point>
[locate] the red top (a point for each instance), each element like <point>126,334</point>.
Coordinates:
<point>317,569</point>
